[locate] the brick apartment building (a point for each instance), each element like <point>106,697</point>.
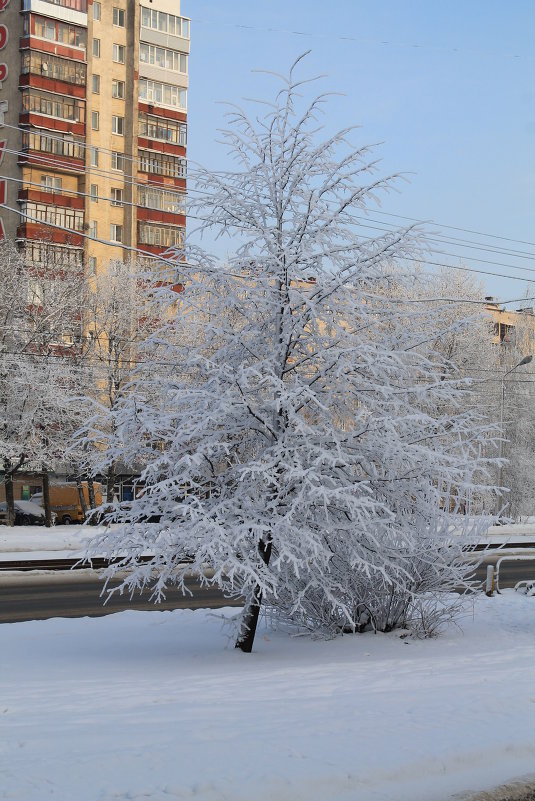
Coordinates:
<point>93,97</point>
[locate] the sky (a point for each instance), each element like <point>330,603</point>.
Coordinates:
<point>446,88</point>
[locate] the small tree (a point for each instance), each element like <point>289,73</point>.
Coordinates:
<point>39,331</point>
<point>118,315</point>
<point>296,427</point>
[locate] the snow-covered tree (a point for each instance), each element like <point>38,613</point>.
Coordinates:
<point>304,443</point>
<point>118,314</point>
<point>39,332</point>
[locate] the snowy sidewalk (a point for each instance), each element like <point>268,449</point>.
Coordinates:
<point>38,542</point>
<point>159,706</point>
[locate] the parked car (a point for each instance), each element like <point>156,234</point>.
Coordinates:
<point>26,514</point>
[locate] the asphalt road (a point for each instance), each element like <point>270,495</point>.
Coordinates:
<point>27,597</point>
<point>37,597</point>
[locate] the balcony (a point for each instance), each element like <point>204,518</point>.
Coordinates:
<point>74,11</point>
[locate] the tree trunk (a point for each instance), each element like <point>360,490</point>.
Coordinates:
<point>81,495</point>
<point>46,499</point>
<point>91,493</point>
<point>111,483</point>
<point>249,622</point>
<point>10,498</point>
<point>251,612</point>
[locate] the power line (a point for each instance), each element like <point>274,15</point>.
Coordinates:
<point>348,38</point>
<point>184,158</point>
<point>164,260</point>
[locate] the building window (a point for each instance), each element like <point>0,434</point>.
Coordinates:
<point>118,16</point>
<point>49,183</point>
<point>166,23</point>
<point>94,193</point>
<point>59,216</point>
<point>59,145</point>
<point>96,48</point>
<point>164,94</point>
<point>52,105</point>
<point>118,53</point>
<point>96,11</point>
<point>94,120</point>
<point>116,233</point>
<point>117,89</point>
<point>162,199</point>
<point>162,164</point>
<point>93,229</point>
<point>117,161</point>
<point>47,254</point>
<point>117,125</point>
<point>61,32</point>
<point>59,69</point>
<point>159,235</point>
<point>116,197</point>
<point>94,156</point>
<point>162,129</point>
<point>162,57</point>
<point>95,84</point>
<point>92,265</point>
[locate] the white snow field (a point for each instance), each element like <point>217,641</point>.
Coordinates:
<point>159,705</point>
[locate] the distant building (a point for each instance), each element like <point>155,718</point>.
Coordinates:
<point>512,327</point>
<point>93,97</point>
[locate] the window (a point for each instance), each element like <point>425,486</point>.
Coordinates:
<point>94,120</point>
<point>168,23</point>
<point>118,17</point>
<point>94,156</point>
<point>49,183</point>
<point>48,254</point>
<point>95,84</point>
<point>117,161</point>
<point>161,236</point>
<point>117,125</point>
<point>118,53</point>
<point>162,129</point>
<point>55,31</point>
<point>162,164</point>
<point>165,94</point>
<point>162,199</point>
<point>93,229</point>
<point>60,145</point>
<point>116,233</point>
<point>92,265</point>
<point>94,193</point>
<point>54,215</point>
<point>117,89</point>
<point>96,11</point>
<point>162,57</point>
<point>116,197</point>
<point>52,105</point>
<point>96,48</point>
<point>59,69</point>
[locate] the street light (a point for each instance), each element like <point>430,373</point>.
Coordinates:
<point>525,360</point>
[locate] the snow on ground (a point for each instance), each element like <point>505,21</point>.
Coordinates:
<point>39,542</point>
<point>159,705</point>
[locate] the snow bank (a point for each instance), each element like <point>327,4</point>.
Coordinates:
<point>149,705</point>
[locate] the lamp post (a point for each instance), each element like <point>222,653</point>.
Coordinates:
<point>525,360</point>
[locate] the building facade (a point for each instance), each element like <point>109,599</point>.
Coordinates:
<point>93,116</point>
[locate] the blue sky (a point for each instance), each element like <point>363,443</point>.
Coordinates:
<point>448,88</point>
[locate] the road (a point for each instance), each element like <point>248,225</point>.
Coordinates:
<point>27,596</point>
<point>30,597</point>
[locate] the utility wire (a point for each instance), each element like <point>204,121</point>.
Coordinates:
<point>184,158</point>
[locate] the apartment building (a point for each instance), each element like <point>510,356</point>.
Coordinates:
<point>93,118</point>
